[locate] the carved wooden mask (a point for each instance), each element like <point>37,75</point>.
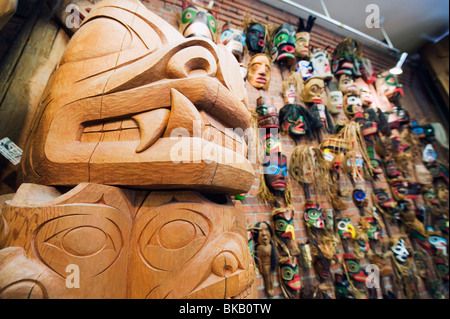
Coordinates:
<point>198,21</point>
<point>122,90</point>
<point>259,71</point>
<point>167,245</point>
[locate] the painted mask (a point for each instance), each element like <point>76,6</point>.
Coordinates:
<point>340,67</point>
<point>233,40</point>
<point>345,228</point>
<point>283,50</point>
<point>197,21</point>
<point>442,224</point>
<point>366,97</point>
<point>292,120</point>
<point>429,154</point>
<point>259,71</point>
<point>439,171</point>
<point>305,69</point>
<point>387,84</point>
<point>383,198</point>
<point>321,64</point>
<point>341,283</point>
<point>369,128</point>
<point>442,193</point>
<point>322,268</point>
<point>442,268</point>
<point>291,94</point>
<point>336,102</point>
<point>377,166</point>
<point>165,81</point>
<point>430,195</point>
<point>352,105</point>
<point>268,117</point>
<point>256,38</point>
<point>439,243</point>
<point>354,269</point>
<point>400,251</point>
<point>290,276</point>
<point>275,172</point>
<point>424,132</point>
<point>284,225</point>
<point>360,198</point>
<point>314,215</point>
<point>413,190</point>
<point>347,84</point>
<point>312,92</point>
<point>392,170</point>
<point>303,37</point>
<point>400,189</point>
<point>374,231</point>
<point>302,40</point>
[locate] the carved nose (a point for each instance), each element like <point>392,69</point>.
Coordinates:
<point>190,62</point>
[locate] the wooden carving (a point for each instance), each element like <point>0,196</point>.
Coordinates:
<point>135,104</point>
<point>123,244</point>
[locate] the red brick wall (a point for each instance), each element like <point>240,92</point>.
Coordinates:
<point>234,11</point>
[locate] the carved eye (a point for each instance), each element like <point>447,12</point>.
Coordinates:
<point>188,16</point>
<point>342,225</point>
<point>178,237</point>
<point>90,241</point>
<point>353,266</point>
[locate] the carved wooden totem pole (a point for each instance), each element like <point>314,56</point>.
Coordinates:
<point>130,167</point>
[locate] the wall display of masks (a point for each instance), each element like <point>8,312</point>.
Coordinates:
<point>379,160</point>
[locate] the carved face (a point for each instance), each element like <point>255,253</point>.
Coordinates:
<point>302,44</point>
<point>377,166</point>
<point>345,228</point>
<point>354,269</point>
<point>305,69</point>
<point>322,268</point>
<point>292,120</point>
<point>439,171</point>
<point>290,276</point>
<point>360,198</point>
<point>383,198</point>
<point>347,84</point>
<point>400,251</point>
<point>233,40</point>
<point>439,243</point>
<point>400,189</point>
<point>264,234</point>
<point>392,170</point>
<point>443,224</point>
<point>429,154</point>
<point>284,225</point>
<point>120,256</point>
<point>430,195</point>
<point>321,64</point>
<point>442,193</point>
<point>314,215</point>
<point>352,105</point>
<point>386,84</point>
<point>256,38</point>
<point>366,97</point>
<point>198,22</point>
<point>341,283</point>
<point>259,71</point>
<point>313,90</point>
<point>442,268</point>
<point>109,111</point>
<point>374,231</point>
<point>283,50</point>
<point>336,102</point>
<point>342,66</point>
<point>275,172</point>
